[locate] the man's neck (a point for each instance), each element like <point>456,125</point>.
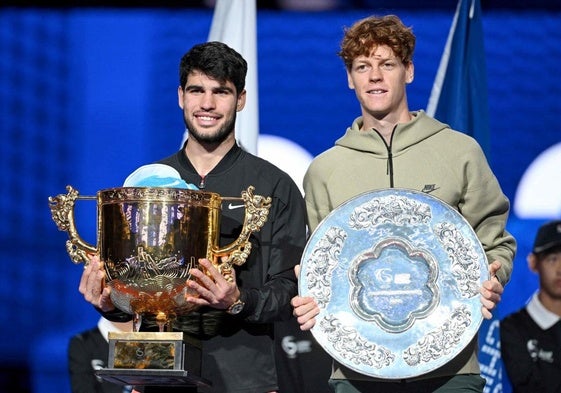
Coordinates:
<point>204,157</point>
<point>550,303</point>
<point>385,125</point>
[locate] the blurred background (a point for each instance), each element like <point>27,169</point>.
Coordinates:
<point>88,94</point>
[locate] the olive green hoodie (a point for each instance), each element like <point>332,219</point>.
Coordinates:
<point>424,155</point>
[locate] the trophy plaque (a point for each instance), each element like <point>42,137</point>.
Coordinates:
<point>148,239</point>
<point>396,274</point>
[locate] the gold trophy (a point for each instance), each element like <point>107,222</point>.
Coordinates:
<point>149,238</point>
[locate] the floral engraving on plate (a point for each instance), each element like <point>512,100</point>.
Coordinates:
<point>395,209</point>
<point>464,258</point>
<point>322,261</point>
<point>394,285</point>
<point>441,341</point>
<point>353,347</point>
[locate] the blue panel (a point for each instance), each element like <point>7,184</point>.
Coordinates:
<point>86,96</point>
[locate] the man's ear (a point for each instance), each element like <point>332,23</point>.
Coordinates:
<point>410,71</point>
<point>532,260</point>
<point>350,81</point>
<point>180,93</point>
<point>241,101</point>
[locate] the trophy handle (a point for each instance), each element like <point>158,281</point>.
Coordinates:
<point>256,212</point>
<point>62,211</point>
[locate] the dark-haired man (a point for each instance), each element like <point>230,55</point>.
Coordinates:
<point>235,319</point>
<point>531,337</point>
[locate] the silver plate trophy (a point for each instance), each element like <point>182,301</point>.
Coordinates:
<point>396,274</point>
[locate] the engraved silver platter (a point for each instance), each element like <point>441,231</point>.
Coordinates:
<point>396,274</point>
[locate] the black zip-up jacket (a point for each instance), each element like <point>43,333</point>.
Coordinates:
<point>87,352</point>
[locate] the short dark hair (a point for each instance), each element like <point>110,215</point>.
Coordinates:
<point>217,60</point>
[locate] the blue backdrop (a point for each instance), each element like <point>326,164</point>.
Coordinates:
<point>88,95</point>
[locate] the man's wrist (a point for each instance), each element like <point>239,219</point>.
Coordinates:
<point>236,307</point>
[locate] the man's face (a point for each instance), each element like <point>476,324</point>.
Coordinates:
<point>549,269</point>
<point>209,108</point>
<point>379,82</point>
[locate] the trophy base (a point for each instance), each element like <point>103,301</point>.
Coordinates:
<point>153,359</point>
<point>135,377</point>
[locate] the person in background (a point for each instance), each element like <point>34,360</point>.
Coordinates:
<point>295,351</point>
<point>531,337</point>
<point>235,319</point>
<point>88,352</point>
<point>390,146</point>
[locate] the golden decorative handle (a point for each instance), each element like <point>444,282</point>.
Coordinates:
<point>62,211</point>
<point>256,212</point>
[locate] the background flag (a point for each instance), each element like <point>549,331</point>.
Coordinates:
<point>459,98</point>
<point>459,92</point>
<point>234,23</point>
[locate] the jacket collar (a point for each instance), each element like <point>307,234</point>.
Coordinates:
<point>541,315</point>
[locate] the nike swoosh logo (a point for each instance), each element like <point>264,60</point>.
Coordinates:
<point>429,188</point>
<point>232,207</point>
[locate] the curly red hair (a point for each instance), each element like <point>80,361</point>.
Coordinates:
<point>367,34</point>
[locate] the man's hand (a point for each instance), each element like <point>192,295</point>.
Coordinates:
<point>491,291</point>
<point>305,308</point>
<point>305,311</point>
<point>213,289</point>
<point>92,285</point>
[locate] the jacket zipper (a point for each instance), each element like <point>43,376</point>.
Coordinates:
<point>389,168</point>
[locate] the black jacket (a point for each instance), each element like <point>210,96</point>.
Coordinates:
<point>87,352</point>
<point>531,355</point>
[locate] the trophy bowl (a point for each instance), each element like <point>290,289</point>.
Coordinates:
<point>150,237</point>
